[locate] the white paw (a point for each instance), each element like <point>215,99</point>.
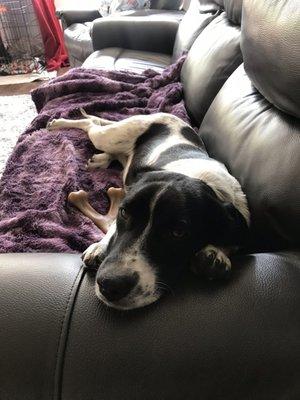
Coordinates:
<point>93,255</point>
<point>51,125</point>
<point>92,165</point>
<point>99,161</point>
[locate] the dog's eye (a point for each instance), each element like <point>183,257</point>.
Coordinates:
<point>124,214</point>
<point>180,230</point>
<point>178,233</point>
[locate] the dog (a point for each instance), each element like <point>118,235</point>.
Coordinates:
<point>181,208</point>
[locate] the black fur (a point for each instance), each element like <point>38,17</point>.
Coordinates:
<point>206,221</point>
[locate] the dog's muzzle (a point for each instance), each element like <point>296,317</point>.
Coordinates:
<point>125,288</point>
<point>115,288</point>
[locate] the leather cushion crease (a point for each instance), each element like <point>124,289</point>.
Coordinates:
<point>233,8</point>
<point>130,60</point>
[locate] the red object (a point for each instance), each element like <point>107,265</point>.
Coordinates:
<point>55,51</point>
<point>3,9</point>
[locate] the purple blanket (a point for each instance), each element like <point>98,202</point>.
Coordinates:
<point>45,166</point>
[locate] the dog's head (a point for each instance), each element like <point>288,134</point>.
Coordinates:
<point>164,219</point>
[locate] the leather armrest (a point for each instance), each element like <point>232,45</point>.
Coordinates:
<point>69,17</point>
<point>211,340</point>
<point>135,33</point>
<point>37,293</point>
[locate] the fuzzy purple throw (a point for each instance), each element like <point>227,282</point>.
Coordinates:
<point>46,166</point>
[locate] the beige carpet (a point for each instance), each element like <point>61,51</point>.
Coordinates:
<point>16,113</point>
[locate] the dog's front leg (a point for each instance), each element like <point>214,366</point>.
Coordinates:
<point>212,262</point>
<point>96,252</point>
<point>84,124</point>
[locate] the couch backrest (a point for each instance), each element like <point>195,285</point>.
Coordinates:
<point>233,9</point>
<point>271,51</point>
<point>166,4</point>
<point>197,17</point>
<point>213,57</point>
<point>253,124</point>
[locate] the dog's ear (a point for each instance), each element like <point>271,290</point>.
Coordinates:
<point>218,222</point>
<point>223,226</point>
<point>226,224</point>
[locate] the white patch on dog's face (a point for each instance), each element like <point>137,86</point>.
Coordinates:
<point>145,292</point>
<point>129,304</point>
<point>132,262</point>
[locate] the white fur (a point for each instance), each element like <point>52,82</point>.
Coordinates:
<point>99,161</point>
<point>175,137</point>
<point>96,249</point>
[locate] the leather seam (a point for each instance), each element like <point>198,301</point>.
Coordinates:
<point>62,340</point>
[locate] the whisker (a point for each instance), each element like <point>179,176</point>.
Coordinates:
<point>164,287</point>
<point>163,290</point>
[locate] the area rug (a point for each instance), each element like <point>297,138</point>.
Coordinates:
<point>16,113</point>
<point>46,166</point>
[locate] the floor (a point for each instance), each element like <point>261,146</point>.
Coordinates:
<point>25,88</point>
<point>16,113</point>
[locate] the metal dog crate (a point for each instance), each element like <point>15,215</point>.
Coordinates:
<point>21,45</point>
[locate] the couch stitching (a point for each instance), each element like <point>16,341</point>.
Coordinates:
<point>55,392</point>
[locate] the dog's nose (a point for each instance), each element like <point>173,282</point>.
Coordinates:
<point>115,288</point>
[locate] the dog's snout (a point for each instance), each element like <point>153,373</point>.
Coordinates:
<point>118,287</point>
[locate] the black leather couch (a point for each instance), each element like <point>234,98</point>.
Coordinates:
<point>235,340</point>
<point>78,25</point>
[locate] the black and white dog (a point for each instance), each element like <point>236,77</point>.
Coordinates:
<point>181,207</point>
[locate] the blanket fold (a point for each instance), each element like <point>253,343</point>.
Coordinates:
<point>46,166</point>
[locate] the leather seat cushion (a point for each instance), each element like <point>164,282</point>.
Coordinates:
<point>260,145</point>
<point>78,42</point>
<point>116,58</point>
